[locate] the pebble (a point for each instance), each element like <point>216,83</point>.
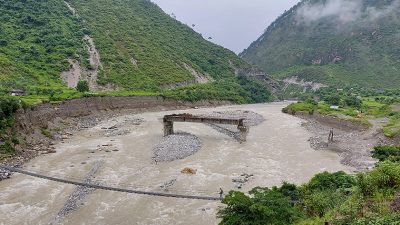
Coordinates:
<point>4,174</point>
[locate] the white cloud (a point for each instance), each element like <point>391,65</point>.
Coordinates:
<point>343,11</point>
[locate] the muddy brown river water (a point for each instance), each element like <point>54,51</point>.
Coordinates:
<point>276,150</point>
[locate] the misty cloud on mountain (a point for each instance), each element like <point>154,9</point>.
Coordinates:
<point>343,11</point>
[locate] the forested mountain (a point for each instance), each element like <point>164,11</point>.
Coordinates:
<point>335,42</point>
<point>114,45</point>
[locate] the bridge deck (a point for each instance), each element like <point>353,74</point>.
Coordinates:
<point>170,119</point>
<point>197,119</point>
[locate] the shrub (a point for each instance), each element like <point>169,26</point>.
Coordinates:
<point>353,101</point>
<point>263,206</point>
<point>376,219</point>
<point>385,177</point>
<point>82,86</point>
<point>383,153</point>
<point>333,181</point>
<point>299,107</point>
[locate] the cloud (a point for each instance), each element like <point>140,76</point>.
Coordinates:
<point>374,13</point>
<point>343,11</point>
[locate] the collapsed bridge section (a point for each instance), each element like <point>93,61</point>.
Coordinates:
<point>170,119</point>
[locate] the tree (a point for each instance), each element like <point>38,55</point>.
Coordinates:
<point>333,99</point>
<point>262,206</point>
<point>353,101</point>
<point>82,86</point>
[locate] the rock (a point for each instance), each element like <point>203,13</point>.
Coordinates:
<point>113,127</point>
<point>188,170</point>
<point>5,174</point>
<point>395,205</point>
<point>168,184</point>
<point>57,137</point>
<point>241,180</point>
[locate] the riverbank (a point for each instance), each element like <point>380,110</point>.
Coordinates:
<point>353,141</point>
<point>41,127</point>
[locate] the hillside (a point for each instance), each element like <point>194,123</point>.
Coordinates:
<point>334,42</point>
<point>119,45</point>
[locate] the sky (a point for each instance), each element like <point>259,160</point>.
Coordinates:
<point>234,24</point>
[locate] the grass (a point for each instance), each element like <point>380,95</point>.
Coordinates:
<point>71,94</point>
<point>372,108</point>
<point>392,129</point>
<point>300,107</point>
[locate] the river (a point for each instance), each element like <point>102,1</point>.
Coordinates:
<point>276,150</point>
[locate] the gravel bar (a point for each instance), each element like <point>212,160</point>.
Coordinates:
<point>79,194</point>
<point>176,146</point>
<point>250,119</point>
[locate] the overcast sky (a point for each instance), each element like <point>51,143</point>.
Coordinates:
<point>234,24</point>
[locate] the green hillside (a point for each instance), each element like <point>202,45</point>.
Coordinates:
<point>140,49</point>
<point>36,39</point>
<point>333,42</point>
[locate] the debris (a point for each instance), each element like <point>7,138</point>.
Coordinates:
<point>188,170</point>
<point>168,184</point>
<point>241,180</point>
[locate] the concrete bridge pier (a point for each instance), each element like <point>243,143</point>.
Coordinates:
<point>168,127</point>
<point>243,133</point>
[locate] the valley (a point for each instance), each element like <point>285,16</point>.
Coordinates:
<point>115,112</point>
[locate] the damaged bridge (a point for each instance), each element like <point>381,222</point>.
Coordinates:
<point>170,119</point>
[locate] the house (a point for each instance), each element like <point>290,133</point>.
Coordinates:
<point>335,107</point>
<point>17,92</point>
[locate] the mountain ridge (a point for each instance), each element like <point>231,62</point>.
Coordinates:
<point>333,42</point>
<point>119,45</point>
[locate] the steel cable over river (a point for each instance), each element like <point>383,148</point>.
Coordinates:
<point>97,186</point>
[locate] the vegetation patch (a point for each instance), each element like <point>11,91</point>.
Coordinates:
<point>333,198</point>
<point>8,107</point>
<point>141,49</point>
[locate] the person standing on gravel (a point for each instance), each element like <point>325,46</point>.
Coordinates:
<point>221,193</point>
<point>330,138</point>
